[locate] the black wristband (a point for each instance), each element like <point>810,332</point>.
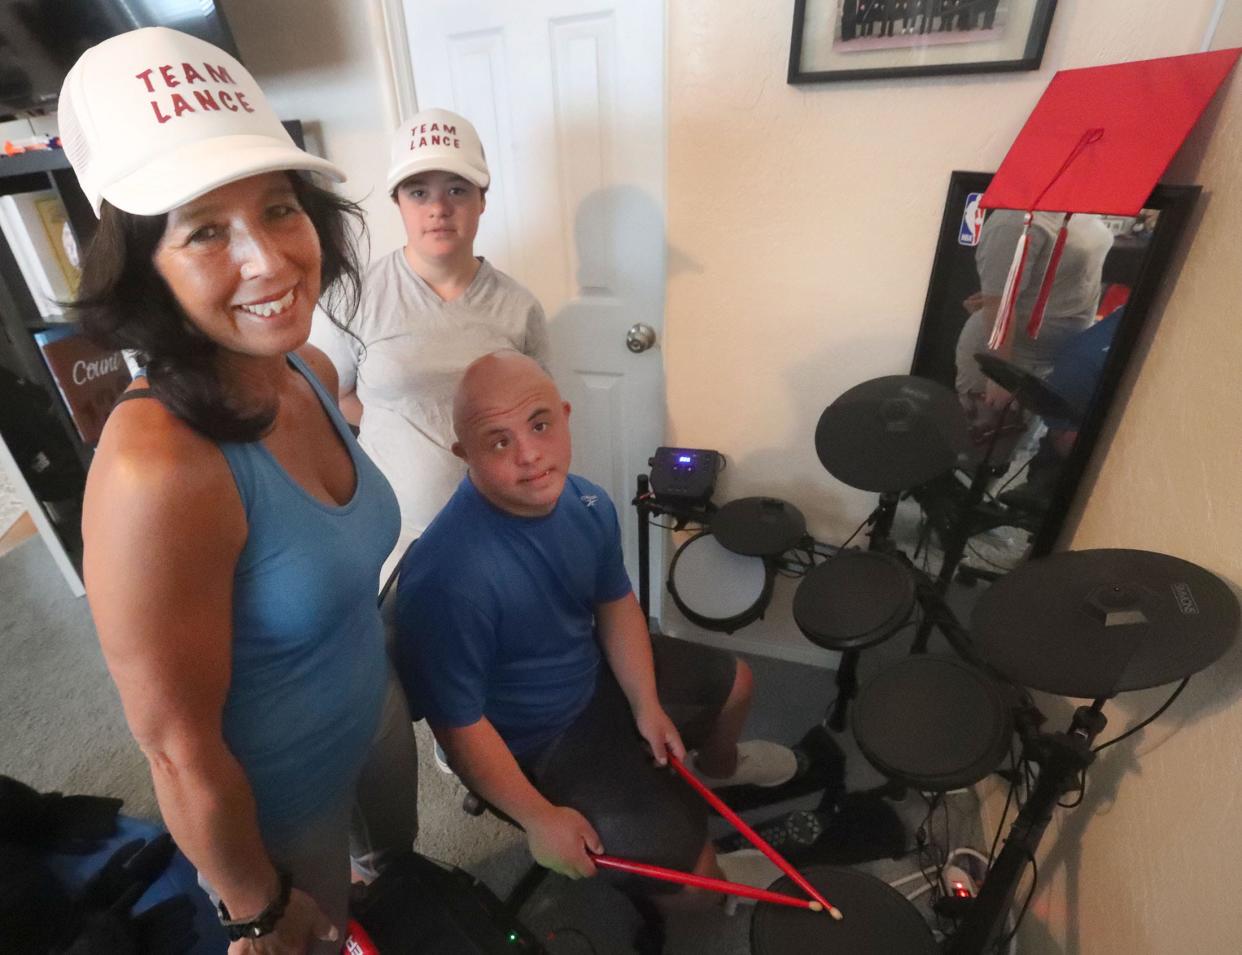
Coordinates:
<point>263,923</point>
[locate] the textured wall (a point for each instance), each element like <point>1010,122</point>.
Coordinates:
<point>803,222</point>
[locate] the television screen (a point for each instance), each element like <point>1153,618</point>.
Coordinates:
<point>41,39</point>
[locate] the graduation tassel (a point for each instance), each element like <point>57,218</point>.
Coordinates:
<point>1009,296</point>
<point>1036,321</point>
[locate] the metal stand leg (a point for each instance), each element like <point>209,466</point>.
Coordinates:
<point>644,546</point>
<point>847,689</point>
<point>955,546</point>
<point>1061,757</point>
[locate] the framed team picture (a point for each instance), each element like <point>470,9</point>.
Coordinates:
<point>836,40</point>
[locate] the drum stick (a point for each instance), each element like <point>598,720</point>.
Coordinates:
<point>755,839</point>
<point>702,882</point>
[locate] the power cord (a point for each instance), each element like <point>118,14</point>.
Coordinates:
<point>1013,933</point>
<point>857,530</point>
<point>1081,791</point>
<point>1016,474</point>
<point>1151,719</point>
<point>1013,786</point>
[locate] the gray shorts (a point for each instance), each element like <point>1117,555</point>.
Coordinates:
<point>603,768</point>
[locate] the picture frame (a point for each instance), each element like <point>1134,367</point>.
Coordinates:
<point>841,40</point>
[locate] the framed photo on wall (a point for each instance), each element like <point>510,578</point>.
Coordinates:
<point>836,40</point>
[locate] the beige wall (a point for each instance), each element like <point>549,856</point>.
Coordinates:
<point>803,222</point>
<point>321,61</point>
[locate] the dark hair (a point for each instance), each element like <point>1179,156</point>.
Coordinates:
<point>123,302</point>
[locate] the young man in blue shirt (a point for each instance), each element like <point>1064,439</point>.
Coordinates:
<point>522,641</point>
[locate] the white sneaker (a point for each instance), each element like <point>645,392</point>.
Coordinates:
<point>749,867</point>
<point>759,763</point>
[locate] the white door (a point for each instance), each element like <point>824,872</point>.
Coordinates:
<point>568,98</point>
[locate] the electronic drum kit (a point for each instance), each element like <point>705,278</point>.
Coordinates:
<point>1085,624</point>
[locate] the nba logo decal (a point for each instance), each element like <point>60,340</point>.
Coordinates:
<point>972,221</point>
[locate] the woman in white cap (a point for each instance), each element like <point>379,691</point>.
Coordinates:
<point>233,528</point>
<point>428,310</point>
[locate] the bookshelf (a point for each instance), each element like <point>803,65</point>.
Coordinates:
<point>58,523</point>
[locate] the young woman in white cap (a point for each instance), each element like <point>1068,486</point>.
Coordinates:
<point>428,310</point>
<point>233,528</point>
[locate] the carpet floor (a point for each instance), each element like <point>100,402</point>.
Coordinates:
<point>11,507</point>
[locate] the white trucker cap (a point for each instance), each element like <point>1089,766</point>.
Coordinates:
<point>153,118</point>
<point>435,139</point>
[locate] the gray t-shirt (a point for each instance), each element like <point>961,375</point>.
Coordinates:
<point>416,347</point>
<point>1072,300</point>
<point>1075,292</point>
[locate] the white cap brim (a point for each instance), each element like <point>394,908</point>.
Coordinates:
<point>398,174</point>
<point>180,175</point>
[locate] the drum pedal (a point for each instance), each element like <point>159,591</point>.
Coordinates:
<point>863,827</point>
<point>788,834</point>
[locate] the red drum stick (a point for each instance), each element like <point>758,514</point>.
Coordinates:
<point>755,839</point>
<point>702,882</point>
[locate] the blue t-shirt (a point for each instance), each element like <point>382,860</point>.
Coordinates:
<point>1079,365</point>
<point>496,613</point>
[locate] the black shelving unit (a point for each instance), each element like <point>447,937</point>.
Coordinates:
<point>20,316</point>
<point>21,320</point>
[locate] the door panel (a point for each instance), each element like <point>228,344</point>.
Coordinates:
<point>568,98</point>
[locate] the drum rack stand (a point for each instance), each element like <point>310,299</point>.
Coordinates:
<point>820,760</point>
<point>1061,757</point>
<point>648,507</point>
<point>879,539</point>
<point>962,531</point>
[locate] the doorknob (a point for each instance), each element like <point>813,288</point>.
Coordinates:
<point>640,337</point>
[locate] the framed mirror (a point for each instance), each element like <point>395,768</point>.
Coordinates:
<point>1100,298</point>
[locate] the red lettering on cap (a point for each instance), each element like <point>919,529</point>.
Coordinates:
<point>241,98</point>
<point>206,100</point>
<point>169,80</point>
<point>450,129</point>
<point>227,101</point>
<point>457,144</point>
<point>435,140</point>
<point>218,73</point>
<point>180,105</point>
<point>145,76</point>
<point>422,141</point>
<point>158,115</point>
<point>191,75</point>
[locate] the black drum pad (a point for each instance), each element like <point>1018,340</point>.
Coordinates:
<point>878,919</point>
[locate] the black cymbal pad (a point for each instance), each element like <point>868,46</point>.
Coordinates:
<point>758,526</point>
<point>1093,623</point>
<point>1031,391</point>
<point>855,599</point>
<point>890,434</point>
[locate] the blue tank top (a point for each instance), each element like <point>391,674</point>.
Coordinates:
<point>309,665</point>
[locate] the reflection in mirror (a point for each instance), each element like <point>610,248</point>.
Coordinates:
<point>1034,404</point>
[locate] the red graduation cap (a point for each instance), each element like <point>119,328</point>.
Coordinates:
<point>1098,141</point>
